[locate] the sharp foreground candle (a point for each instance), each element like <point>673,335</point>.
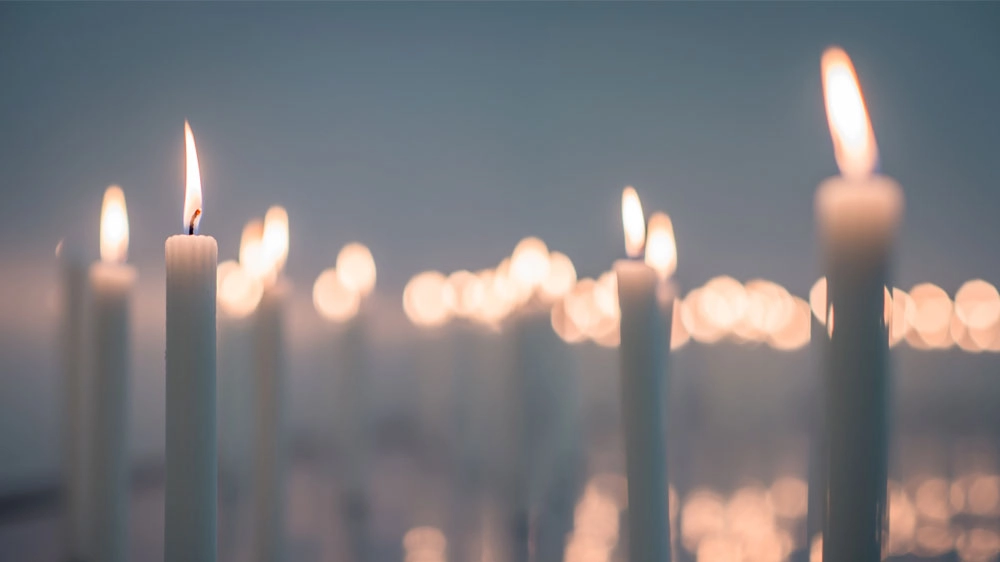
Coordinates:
<point>190,510</point>
<point>858,215</point>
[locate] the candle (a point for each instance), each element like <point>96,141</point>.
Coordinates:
<point>190,490</point>
<point>238,296</point>
<point>111,284</point>
<point>858,214</point>
<point>75,411</point>
<point>269,382</point>
<point>644,343</point>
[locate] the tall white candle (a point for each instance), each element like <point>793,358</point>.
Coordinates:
<point>269,381</point>
<point>644,346</point>
<point>111,284</point>
<point>191,480</point>
<point>858,215</point>
<point>75,407</point>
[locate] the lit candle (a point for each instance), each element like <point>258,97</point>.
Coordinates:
<point>644,345</point>
<point>190,492</point>
<point>75,411</point>
<point>269,382</point>
<point>111,284</point>
<point>858,215</point>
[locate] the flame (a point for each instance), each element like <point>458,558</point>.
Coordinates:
<point>633,222</point>
<point>853,138</point>
<point>334,300</point>
<point>274,240</point>
<point>423,299</point>
<point>192,191</point>
<point>114,226</point>
<point>239,292</point>
<point>356,267</point>
<point>529,264</point>
<point>661,247</point>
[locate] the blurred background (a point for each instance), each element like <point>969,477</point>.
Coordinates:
<point>439,135</point>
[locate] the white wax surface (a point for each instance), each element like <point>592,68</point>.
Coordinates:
<point>75,410</point>
<point>643,350</point>
<point>191,463</point>
<point>858,216</point>
<point>269,440</point>
<point>111,285</point>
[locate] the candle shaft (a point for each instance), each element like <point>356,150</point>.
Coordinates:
<point>112,285</point>
<point>191,463</point>
<point>644,339</point>
<point>269,445</point>
<point>75,411</point>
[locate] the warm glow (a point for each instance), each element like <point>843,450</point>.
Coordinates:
<point>356,267</point>
<point>853,137</point>
<point>769,310</point>
<point>789,494</point>
<point>933,314</point>
<point>251,249</point>
<point>274,241</point>
<point>114,226</point>
<point>797,330</point>
<point>464,293</point>
<point>904,312</point>
<point>702,515</point>
<point>424,544</point>
<point>634,222</point>
<point>561,277</point>
<point>817,300</point>
<point>563,324</point>
<point>661,248</point>
<point>423,299</point>
<point>238,291</point>
<point>723,302</point>
<point>529,263</point>
<point>192,190</point>
<point>334,300</point>
<point>977,303</point>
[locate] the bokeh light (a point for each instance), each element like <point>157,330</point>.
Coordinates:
<point>334,300</point>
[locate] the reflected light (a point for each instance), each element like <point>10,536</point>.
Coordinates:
<point>192,189</point>
<point>720,548</point>
<point>333,300</point>
<point>114,226</point>
<point>702,515</point>
<point>932,499</point>
<point>561,276</point>
<point>529,263</point>
<point>902,521</point>
<point>983,495</point>
<point>853,138</point>
<point>933,314</point>
<point>356,268</point>
<point>817,300</point>
<point>933,540</point>
<point>424,544</point>
<point>423,299</point>
<point>238,292</point>
<point>661,248</point>
<point>978,545</point>
<point>633,222</point>
<point>977,304</point>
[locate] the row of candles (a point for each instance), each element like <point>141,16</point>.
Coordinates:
<point>634,306</point>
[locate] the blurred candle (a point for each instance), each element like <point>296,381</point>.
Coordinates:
<point>190,493</point>
<point>858,215</point>
<point>111,283</point>
<point>644,344</point>
<point>75,409</point>
<point>269,382</point>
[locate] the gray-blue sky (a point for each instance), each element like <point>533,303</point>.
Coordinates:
<point>440,134</point>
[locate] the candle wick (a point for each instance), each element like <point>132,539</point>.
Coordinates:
<point>194,221</point>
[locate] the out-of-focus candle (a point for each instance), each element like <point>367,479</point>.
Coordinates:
<point>111,283</point>
<point>644,345</point>
<point>191,479</point>
<point>270,454</point>
<point>858,215</point>
<point>75,410</point>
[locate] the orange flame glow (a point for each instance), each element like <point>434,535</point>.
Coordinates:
<point>853,138</point>
<point>114,226</point>
<point>633,221</point>
<point>192,190</point>
<point>661,247</point>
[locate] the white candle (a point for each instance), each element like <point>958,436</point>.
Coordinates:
<point>858,215</point>
<point>75,408</point>
<point>190,493</point>
<point>269,382</point>
<point>645,341</point>
<point>111,283</point>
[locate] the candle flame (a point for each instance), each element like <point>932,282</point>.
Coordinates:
<point>356,268</point>
<point>192,191</point>
<point>633,222</point>
<point>853,138</point>
<point>661,247</point>
<point>114,226</point>
<point>334,300</point>
<point>274,240</point>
